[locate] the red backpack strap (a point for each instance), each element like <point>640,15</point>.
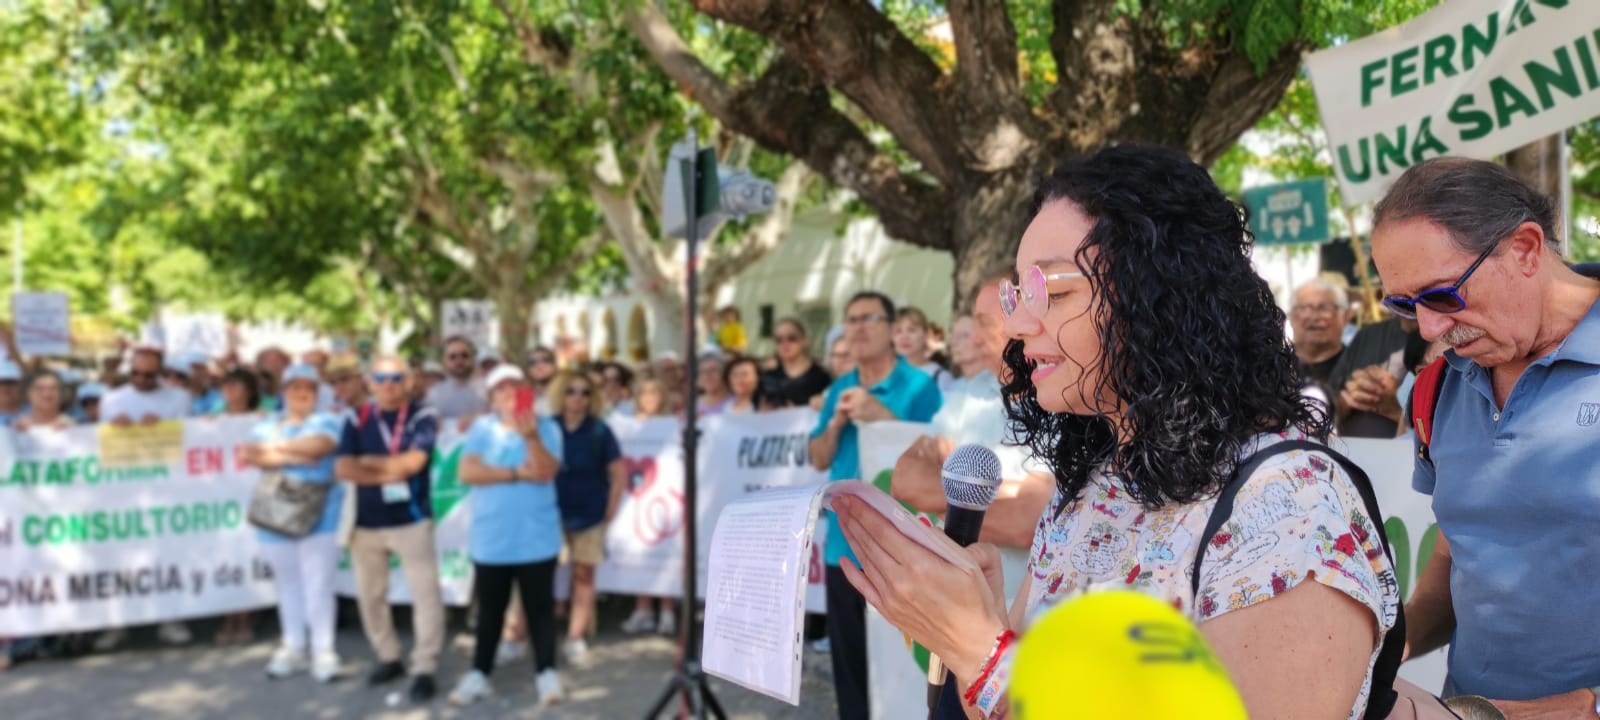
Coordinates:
<point>1424,399</point>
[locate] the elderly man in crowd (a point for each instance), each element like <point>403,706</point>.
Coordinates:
<point>1471,252</point>
<point>1320,312</point>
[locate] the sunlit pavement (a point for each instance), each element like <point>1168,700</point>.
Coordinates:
<point>624,675</point>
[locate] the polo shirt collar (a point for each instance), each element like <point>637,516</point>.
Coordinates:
<point>889,381</point>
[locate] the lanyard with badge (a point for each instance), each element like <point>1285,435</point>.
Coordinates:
<point>394,492</point>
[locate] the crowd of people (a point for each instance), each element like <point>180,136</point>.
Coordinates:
<point>1126,363</point>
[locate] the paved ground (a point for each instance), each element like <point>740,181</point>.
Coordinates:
<point>624,676</point>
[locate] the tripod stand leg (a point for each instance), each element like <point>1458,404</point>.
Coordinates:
<point>710,699</point>
<point>675,685</point>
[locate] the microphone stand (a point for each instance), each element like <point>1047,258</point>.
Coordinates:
<point>689,680</point>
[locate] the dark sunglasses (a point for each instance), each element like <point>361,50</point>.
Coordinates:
<point>786,338</point>
<point>541,361</point>
<point>382,378</point>
<point>577,391</point>
<point>143,374</point>
<point>1443,300</point>
<point>458,356</point>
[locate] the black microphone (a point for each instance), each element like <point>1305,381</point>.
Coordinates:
<point>971,477</point>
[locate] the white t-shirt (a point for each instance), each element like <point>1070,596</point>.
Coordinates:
<point>166,402</point>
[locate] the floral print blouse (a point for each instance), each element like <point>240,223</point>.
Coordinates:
<point>1299,517</point>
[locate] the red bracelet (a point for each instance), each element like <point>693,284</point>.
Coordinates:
<point>1001,642</point>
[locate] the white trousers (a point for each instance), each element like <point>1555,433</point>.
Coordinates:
<point>304,571</point>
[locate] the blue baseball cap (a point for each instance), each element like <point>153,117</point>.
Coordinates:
<point>91,391</point>
<point>300,371</point>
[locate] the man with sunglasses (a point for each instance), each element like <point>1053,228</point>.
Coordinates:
<point>459,394</point>
<point>385,449</point>
<point>145,400</point>
<point>883,386</point>
<point>1470,251</point>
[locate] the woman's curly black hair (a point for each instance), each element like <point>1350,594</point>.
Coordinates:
<point>1193,346</point>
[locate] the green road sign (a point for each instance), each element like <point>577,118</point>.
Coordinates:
<point>1291,212</point>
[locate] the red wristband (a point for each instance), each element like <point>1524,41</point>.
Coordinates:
<point>1001,642</point>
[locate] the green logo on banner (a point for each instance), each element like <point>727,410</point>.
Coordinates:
<point>448,490</point>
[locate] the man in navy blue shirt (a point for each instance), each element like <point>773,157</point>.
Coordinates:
<point>385,449</point>
<point>1471,251</point>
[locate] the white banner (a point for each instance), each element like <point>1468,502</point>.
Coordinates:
<point>472,319</point>
<point>41,323</point>
<point>644,544</point>
<point>104,527</point>
<point>203,334</point>
<point>743,454</point>
<point>1470,77</point>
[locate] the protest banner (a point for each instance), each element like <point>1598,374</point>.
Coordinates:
<point>644,544</point>
<point>86,545</point>
<point>1474,78</point>
<point>41,323</point>
<point>743,454</point>
<point>474,320</point>
<point>203,334</point>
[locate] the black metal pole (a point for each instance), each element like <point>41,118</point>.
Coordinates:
<point>689,678</point>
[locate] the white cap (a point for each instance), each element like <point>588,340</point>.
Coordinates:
<point>91,390</point>
<point>502,373</point>
<point>432,368</point>
<point>10,372</point>
<point>488,354</point>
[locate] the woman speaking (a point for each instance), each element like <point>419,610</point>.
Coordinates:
<point>1147,362</point>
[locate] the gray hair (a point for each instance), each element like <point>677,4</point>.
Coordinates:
<point>1340,294</point>
<point>1477,202</point>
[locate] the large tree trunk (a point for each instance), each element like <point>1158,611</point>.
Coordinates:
<point>977,141</point>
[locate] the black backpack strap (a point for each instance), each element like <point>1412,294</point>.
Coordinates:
<point>1382,698</point>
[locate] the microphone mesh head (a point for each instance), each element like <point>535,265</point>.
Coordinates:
<point>971,476</point>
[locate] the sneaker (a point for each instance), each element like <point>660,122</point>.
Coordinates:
<point>549,686</point>
<point>822,646</point>
<point>325,667</point>
<point>174,633</point>
<point>639,622</point>
<point>386,672</point>
<point>510,652</point>
<point>472,688</point>
<point>285,662</point>
<point>110,640</point>
<point>422,688</point>
<point>668,625</point>
<point>576,651</point>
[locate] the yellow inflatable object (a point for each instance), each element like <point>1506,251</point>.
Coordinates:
<point>1118,654</point>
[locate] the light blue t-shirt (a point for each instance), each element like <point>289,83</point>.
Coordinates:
<point>909,393</point>
<point>277,428</point>
<point>512,523</point>
<point>1516,491</point>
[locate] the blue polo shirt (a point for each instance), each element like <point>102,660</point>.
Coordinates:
<point>320,472</point>
<point>909,393</point>
<point>368,437</point>
<point>1517,493</point>
<point>512,523</point>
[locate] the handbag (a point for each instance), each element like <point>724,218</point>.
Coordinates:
<point>286,506</point>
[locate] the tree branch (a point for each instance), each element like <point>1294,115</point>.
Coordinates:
<point>852,46</point>
<point>1237,98</point>
<point>555,275</point>
<point>788,112</point>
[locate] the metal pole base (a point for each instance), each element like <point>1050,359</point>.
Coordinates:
<point>697,697</point>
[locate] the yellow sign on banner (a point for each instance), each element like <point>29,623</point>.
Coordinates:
<point>141,445</point>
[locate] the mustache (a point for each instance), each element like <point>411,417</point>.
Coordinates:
<point>1461,335</point>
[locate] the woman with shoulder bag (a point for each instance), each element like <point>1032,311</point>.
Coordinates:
<point>294,448</point>
<point>1147,363</point>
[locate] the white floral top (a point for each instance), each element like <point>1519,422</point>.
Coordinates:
<point>1298,517</point>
